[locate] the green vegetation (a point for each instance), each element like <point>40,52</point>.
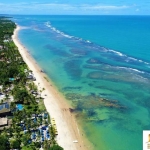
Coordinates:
<point>56,147</point>
<point>3,142</point>
<point>29,125</point>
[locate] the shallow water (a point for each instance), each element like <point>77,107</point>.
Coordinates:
<point>108,85</point>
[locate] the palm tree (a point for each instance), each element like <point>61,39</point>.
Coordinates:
<point>35,125</point>
<point>12,106</point>
<point>46,145</point>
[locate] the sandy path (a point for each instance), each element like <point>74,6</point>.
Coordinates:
<point>55,104</point>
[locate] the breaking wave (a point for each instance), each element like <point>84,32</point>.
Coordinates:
<point>126,58</point>
<point>48,24</point>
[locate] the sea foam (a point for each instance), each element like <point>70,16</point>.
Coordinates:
<point>127,59</point>
<point>48,24</point>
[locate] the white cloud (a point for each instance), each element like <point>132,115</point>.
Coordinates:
<point>137,9</point>
<point>56,7</point>
<point>104,7</point>
<point>83,6</point>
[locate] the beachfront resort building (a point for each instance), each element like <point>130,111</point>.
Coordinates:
<point>5,110</point>
<point>3,122</point>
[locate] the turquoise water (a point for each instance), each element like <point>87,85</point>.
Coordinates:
<point>102,66</point>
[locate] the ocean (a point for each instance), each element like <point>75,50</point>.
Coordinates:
<point>101,64</point>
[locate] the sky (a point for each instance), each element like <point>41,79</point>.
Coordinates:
<point>76,7</point>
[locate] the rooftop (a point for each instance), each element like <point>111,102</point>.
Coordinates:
<point>5,107</point>
<point>3,121</point>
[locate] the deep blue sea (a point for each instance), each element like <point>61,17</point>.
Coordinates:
<point>101,64</point>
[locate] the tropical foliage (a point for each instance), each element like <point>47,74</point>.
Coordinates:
<point>18,89</point>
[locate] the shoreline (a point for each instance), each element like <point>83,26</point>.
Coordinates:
<point>56,105</point>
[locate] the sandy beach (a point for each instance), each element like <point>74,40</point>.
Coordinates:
<point>57,107</point>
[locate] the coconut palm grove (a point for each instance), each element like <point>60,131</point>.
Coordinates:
<point>24,122</point>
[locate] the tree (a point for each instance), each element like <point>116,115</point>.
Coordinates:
<point>21,94</point>
<point>56,147</point>
<point>15,144</point>
<point>10,131</point>
<point>52,131</point>
<point>46,144</point>
<point>38,144</point>
<point>26,138</point>
<point>12,106</point>
<point>4,144</point>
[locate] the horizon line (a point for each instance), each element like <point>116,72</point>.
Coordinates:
<point>80,14</point>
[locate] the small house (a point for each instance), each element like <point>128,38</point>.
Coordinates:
<point>6,36</point>
<point>5,110</point>
<point>3,122</point>
<point>31,77</point>
<point>5,41</point>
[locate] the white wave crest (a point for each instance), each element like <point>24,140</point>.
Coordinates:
<point>130,69</point>
<point>48,24</point>
<point>116,52</point>
<point>128,59</point>
<point>88,41</point>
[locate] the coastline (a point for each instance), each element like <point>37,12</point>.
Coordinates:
<point>55,103</point>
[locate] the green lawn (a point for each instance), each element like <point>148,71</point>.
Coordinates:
<point>41,105</point>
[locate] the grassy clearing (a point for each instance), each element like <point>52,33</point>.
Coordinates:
<point>41,105</point>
